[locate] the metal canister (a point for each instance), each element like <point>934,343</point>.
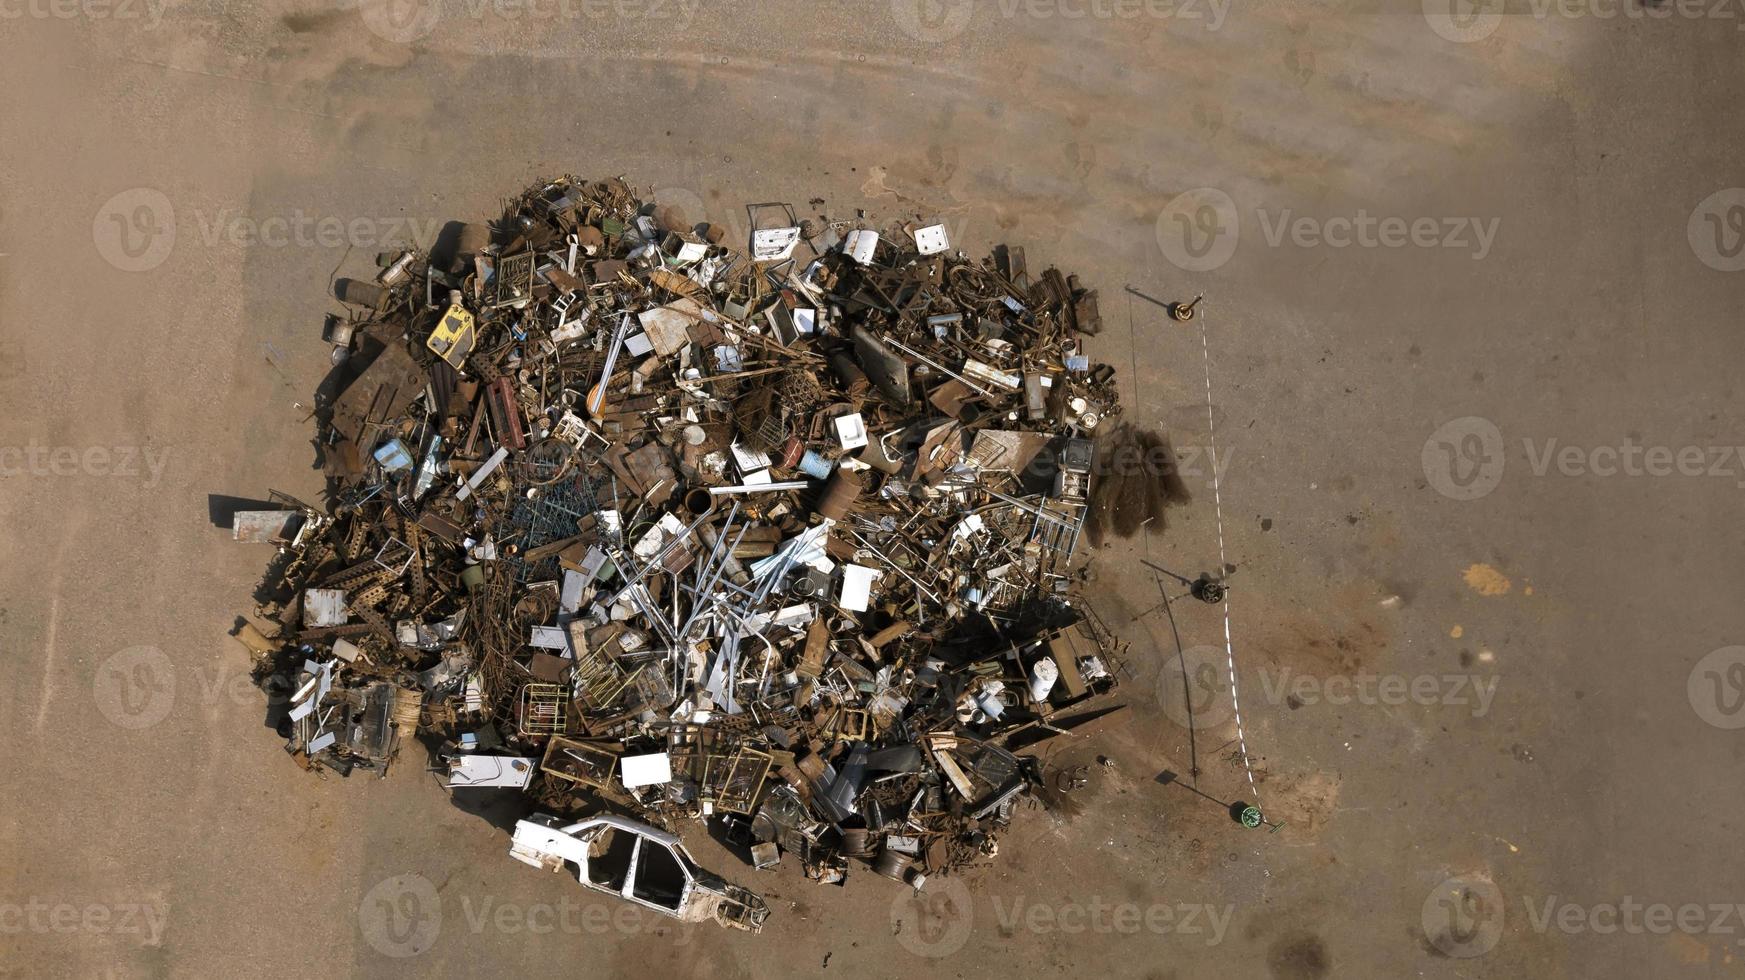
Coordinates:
<point>699,501</point>
<point>397,268</point>
<point>814,465</point>
<point>849,373</point>
<point>340,332</point>
<point>840,495</point>
<point>408,707</point>
<point>857,842</point>
<point>473,577</point>
<point>1042,677</point>
<point>894,864</point>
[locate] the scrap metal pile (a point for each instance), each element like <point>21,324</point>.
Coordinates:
<point>633,520</point>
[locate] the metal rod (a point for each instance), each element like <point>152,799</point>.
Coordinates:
<point>894,566</point>
<point>938,367</point>
<point>758,488</point>
<point>667,548</point>
<point>708,585</point>
<point>598,402</point>
<point>1040,512</point>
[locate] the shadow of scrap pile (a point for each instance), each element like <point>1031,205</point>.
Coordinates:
<point>1138,478</point>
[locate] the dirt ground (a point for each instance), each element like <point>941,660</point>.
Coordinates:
<point>1472,327</point>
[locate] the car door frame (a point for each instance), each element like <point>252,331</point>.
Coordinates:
<point>636,868</point>
<point>587,857</point>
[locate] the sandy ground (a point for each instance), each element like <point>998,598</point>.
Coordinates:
<point>1473,464</point>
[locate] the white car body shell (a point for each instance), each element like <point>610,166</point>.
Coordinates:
<point>542,842</point>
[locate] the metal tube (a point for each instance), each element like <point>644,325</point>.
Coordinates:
<point>1020,504</point>
<point>667,548</point>
<point>939,367</point>
<point>595,404</point>
<point>715,549</point>
<point>894,566</point>
<point>707,587</point>
<point>759,487</point>
<point>775,576</point>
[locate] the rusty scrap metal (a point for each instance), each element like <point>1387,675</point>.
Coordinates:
<point>801,516</point>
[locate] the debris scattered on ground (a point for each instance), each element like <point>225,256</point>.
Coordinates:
<point>633,521</point>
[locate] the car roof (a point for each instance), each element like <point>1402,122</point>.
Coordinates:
<point>625,823</point>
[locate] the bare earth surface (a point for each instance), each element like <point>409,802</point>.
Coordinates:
<point>1476,471</point>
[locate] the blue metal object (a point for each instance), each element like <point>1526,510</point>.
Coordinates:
<point>393,455</point>
<point>814,465</point>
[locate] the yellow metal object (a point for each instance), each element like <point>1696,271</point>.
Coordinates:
<point>542,709</point>
<point>454,336</point>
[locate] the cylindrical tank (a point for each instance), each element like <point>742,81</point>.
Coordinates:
<point>1043,674</point>
<point>894,864</point>
<point>839,495</point>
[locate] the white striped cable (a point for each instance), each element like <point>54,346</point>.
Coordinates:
<point>1218,510</point>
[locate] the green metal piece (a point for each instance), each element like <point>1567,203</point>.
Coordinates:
<point>1251,817</point>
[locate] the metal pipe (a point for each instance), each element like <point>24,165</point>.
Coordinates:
<point>597,402</point>
<point>1020,504</point>
<point>667,548</point>
<point>938,367</point>
<point>781,569</point>
<point>707,585</point>
<point>640,598</point>
<point>715,546</point>
<point>894,566</point>
<point>759,487</point>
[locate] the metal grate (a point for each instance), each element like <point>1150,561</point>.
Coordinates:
<point>551,516</point>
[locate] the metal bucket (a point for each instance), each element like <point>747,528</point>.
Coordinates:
<point>858,842</point>
<point>839,495</point>
<point>894,865</point>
